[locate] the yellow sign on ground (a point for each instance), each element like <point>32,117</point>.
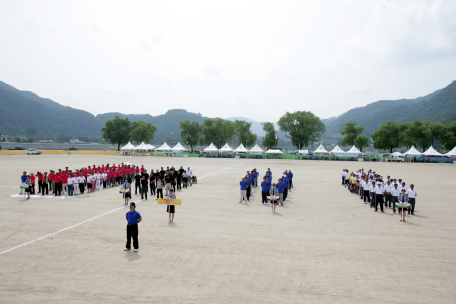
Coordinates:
<point>169,201</point>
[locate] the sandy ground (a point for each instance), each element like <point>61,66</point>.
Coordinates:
<point>324,245</point>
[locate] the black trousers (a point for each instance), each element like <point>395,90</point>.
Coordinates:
<point>40,183</point>
<point>44,186</point>
<point>366,195</point>
<point>372,199</point>
<point>104,184</point>
<point>152,189</point>
<point>264,198</point>
<point>379,200</point>
<point>184,180</point>
<point>248,192</point>
<point>291,183</point>
<point>160,193</point>
<point>394,200</point>
<point>144,191</point>
<point>173,185</point>
<point>179,185</point>
<point>32,189</point>
<point>137,185</point>
<point>387,198</point>
<point>412,205</point>
<point>285,193</point>
<point>81,188</point>
<point>343,180</point>
<point>58,189</point>
<point>132,232</point>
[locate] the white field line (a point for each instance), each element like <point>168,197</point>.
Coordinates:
<point>40,238</point>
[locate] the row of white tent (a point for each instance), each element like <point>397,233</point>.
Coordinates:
<point>429,152</point>
<point>336,151</point>
<point>241,149</point>
<point>143,146</point>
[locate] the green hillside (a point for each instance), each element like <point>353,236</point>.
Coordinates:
<point>439,106</point>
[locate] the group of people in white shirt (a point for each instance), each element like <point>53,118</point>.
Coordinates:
<point>373,189</point>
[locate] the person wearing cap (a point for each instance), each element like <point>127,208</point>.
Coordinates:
<point>379,193</point>
<point>403,198</point>
<point>170,208</point>
<point>394,196</point>
<point>133,219</point>
<point>243,185</point>
<point>412,194</point>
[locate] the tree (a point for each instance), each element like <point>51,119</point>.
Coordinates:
<point>17,139</point>
<point>448,139</point>
<point>190,132</point>
<point>419,134</point>
<point>351,132</point>
<point>30,131</point>
<point>117,130</point>
<point>304,127</point>
<point>361,142</point>
<point>142,131</point>
<point>270,140</point>
<point>388,136</point>
<point>62,137</point>
<point>245,136</point>
<point>217,131</point>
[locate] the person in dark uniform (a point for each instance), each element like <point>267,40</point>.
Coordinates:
<point>133,218</point>
<point>152,183</point>
<point>137,184</point>
<point>144,185</point>
<point>179,180</point>
<point>170,208</point>
<point>173,180</point>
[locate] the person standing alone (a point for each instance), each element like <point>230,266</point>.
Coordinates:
<point>133,219</point>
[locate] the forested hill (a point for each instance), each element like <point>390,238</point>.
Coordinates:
<point>439,106</point>
<point>165,123</point>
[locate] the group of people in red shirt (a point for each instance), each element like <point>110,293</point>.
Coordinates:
<point>75,182</point>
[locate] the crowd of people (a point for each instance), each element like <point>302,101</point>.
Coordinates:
<point>100,177</point>
<point>373,189</point>
<point>249,183</point>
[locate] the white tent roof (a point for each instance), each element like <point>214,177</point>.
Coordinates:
<point>274,151</point>
<point>353,150</point>
<point>413,151</point>
<point>163,147</point>
<point>397,154</point>
<point>256,149</point>
<point>451,153</point>
<point>150,147</point>
<point>178,147</point>
<point>128,146</point>
<point>321,149</point>
<point>211,148</point>
<point>337,149</point>
<point>431,151</point>
<point>226,148</point>
<point>241,148</point>
<point>142,146</point>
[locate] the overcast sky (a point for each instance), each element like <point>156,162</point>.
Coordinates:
<point>256,59</point>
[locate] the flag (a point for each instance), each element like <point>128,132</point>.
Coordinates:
<point>288,134</point>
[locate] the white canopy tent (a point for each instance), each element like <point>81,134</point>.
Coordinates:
<point>413,152</point>
<point>211,148</point>
<point>451,153</point>
<point>178,148</point>
<point>142,146</point>
<point>163,147</point>
<point>226,148</point>
<point>337,150</point>
<point>127,147</point>
<point>354,150</point>
<point>431,152</point>
<point>321,151</point>
<point>256,150</point>
<point>274,151</point>
<point>241,149</point>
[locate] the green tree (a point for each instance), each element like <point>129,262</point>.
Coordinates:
<point>117,130</point>
<point>361,141</point>
<point>217,131</point>
<point>388,136</point>
<point>448,139</point>
<point>62,137</point>
<point>142,131</point>
<point>270,140</point>
<point>351,132</point>
<point>190,132</point>
<point>30,131</point>
<point>18,139</point>
<point>419,134</point>
<point>304,127</point>
<point>245,136</point>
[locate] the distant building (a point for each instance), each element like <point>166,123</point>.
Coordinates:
<point>74,141</point>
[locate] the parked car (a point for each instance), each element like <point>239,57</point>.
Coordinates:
<point>33,151</point>
<point>74,149</point>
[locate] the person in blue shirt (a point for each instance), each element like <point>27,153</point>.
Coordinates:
<point>285,188</point>
<point>170,208</point>
<point>290,177</point>
<point>243,190</point>
<point>248,185</point>
<point>279,187</point>
<point>23,180</point>
<point>133,218</point>
<point>264,190</point>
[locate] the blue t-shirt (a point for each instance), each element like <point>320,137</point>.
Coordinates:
<point>243,185</point>
<point>279,187</point>
<point>291,175</point>
<point>133,217</point>
<point>285,183</point>
<point>265,186</point>
<point>23,178</point>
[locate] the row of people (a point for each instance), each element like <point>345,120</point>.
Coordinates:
<point>373,189</point>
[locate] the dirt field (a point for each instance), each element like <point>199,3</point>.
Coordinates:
<point>324,245</point>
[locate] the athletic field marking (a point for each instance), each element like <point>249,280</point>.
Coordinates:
<point>98,216</point>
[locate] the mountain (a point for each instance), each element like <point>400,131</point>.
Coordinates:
<point>439,106</point>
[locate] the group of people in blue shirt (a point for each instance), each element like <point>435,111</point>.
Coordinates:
<point>268,188</point>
